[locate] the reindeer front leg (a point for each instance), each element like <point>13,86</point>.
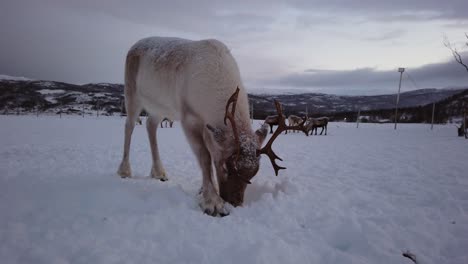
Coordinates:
<point>209,200</point>
<point>157,169</point>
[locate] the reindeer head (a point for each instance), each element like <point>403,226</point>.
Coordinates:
<point>242,162</point>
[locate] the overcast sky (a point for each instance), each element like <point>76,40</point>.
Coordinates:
<point>332,46</point>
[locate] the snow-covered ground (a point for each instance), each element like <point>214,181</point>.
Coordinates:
<point>355,196</point>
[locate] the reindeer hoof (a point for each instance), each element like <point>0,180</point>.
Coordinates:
<point>124,172</point>
<point>223,214</point>
<point>159,175</point>
<point>216,213</point>
<point>212,205</point>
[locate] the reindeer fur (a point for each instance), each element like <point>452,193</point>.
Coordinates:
<point>191,81</point>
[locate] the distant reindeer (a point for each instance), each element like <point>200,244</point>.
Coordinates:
<point>165,121</point>
<point>462,129</point>
<point>272,120</point>
<point>294,120</point>
<point>315,123</point>
<point>198,83</point>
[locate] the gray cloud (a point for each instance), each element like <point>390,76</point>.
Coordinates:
<point>396,10</point>
<point>373,81</point>
<point>394,34</point>
<point>86,41</point>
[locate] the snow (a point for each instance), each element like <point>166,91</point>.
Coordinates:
<point>47,84</point>
<point>13,78</point>
<point>49,91</point>
<point>358,195</point>
<point>100,94</point>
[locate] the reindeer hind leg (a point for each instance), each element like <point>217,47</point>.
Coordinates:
<point>133,111</point>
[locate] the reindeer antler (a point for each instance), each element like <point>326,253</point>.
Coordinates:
<point>281,127</point>
<point>230,115</point>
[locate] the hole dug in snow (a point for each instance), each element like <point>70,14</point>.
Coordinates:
<point>256,191</point>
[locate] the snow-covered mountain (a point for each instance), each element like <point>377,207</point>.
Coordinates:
<point>21,95</point>
<point>25,96</point>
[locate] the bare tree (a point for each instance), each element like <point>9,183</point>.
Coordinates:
<point>455,53</point>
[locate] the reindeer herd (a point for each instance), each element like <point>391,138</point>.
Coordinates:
<point>310,124</point>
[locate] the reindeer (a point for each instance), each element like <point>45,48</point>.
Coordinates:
<point>462,129</point>
<point>195,82</point>
<point>294,120</point>
<point>273,120</point>
<point>167,120</point>
<point>138,121</point>
<point>315,123</point>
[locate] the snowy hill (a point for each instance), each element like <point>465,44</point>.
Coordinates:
<point>49,97</point>
<point>329,104</point>
<point>20,95</point>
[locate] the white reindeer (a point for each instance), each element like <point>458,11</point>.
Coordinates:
<point>195,82</point>
<point>294,120</point>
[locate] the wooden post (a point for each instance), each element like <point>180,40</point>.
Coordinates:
<point>97,108</point>
<point>400,70</point>
<point>464,124</point>
<point>82,109</point>
<point>357,120</point>
<point>433,111</point>
<point>121,108</point>
<point>251,113</point>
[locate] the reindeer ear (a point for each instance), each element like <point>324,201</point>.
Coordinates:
<point>261,133</point>
<point>218,134</point>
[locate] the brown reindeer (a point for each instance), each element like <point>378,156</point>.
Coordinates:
<point>166,121</point>
<point>315,123</point>
<point>138,121</point>
<point>273,121</point>
<point>462,129</point>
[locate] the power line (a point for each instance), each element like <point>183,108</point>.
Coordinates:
<point>412,80</point>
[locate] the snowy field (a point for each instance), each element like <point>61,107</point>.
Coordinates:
<point>355,196</point>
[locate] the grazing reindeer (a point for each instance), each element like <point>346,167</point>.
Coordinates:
<point>273,120</point>
<point>315,123</point>
<point>195,82</point>
<point>294,120</point>
<point>165,121</point>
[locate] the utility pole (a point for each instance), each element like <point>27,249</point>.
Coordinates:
<point>357,119</point>
<point>121,108</point>
<point>251,112</point>
<point>433,111</point>
<point>400,70</point>
<point>464,124</point>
